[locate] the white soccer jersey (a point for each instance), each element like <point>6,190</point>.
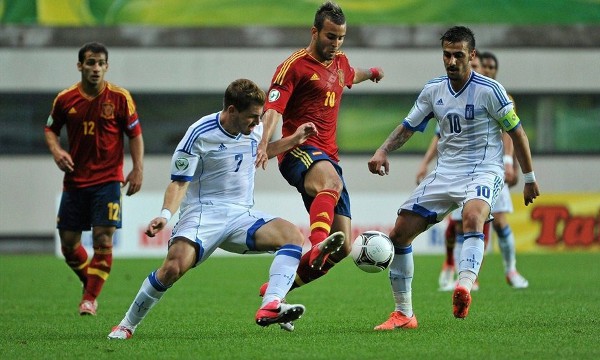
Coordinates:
<point>218,165</point>
<point>470,123</point>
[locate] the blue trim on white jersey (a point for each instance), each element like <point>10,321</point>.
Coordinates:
<point>422,125</point>
<point>516,126</point>
<point>466,85</point>
<point>182,178</point>
<point>201,129</point>
<point>250,240</point>
<point>495,86</point>
<point>225,131</point>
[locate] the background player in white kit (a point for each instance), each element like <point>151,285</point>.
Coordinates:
<point>472,111</point>
<point>212,173</point>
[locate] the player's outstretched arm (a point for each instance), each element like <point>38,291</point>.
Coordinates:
<point>374,74</point>
<point>302,133</point>
<point>523,152</point>
<point>270,120</point>
<point>136,175</point>
<point>379,163</point>
<point>172,199</point>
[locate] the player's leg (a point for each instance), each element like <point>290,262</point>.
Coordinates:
<point>73,218</point>
<point>506,243</point>
<point>408,225</point>
<point>182,256</point>
<point>286,238</point>
<point>306,273</point>
<point>481,192</point>
<point>105,209</point>
<point>323,183</point>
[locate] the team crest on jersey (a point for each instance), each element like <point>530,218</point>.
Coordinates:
<point>182,163</point>
<point>274,95</point>
<point>108,111</point>
<point>341,77</point>
<point>254,146</point>
<point>469,112</point>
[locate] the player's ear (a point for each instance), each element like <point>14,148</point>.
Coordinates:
<point>79,66</point>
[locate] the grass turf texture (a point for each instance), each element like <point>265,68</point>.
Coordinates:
<point>210,313</point>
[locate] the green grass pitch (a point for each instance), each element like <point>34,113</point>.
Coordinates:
<point>209,313</point>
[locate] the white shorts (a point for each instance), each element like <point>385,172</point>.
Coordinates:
<point>439,194</point>
<point>504,202</point>
<point>229,227</point>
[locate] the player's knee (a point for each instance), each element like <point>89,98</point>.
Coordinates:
<point>171,272</point>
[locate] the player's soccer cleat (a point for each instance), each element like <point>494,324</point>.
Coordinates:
<point>277,312</point>
<point>461,299</point>
<point>287,326</point>
<point>398,320</point>
<point>320,252</point>
<point>446,279</point>
<point>120,332</point>
<point>87,307</point>
<point>516,280</point>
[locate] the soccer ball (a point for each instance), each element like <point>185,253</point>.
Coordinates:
<point>372,251</point>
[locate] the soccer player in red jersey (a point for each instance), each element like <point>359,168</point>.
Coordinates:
<point>307,87</point>
<point>96,114</point>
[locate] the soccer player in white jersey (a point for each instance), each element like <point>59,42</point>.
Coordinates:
<point>212,185</point>
<point>472,110</point>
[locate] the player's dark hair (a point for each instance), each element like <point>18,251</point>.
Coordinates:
<point>95,47</point>
<point>489,55</point>
<point>242,93</point>
<point>331,11</point>
<point>457,34</point>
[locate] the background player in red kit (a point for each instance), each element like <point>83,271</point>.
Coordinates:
<point>96,114</point>
<point>307,87</point>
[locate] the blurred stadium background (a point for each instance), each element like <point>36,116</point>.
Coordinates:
<point>176,57</point>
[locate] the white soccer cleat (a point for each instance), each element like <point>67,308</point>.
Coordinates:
<point>120,332</point>
<point>516,280</point>
<point>446,280</point>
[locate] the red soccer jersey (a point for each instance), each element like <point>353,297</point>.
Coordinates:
<point>306,90</point>
<point>95,128</point>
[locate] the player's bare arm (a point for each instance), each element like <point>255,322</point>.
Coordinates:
<point>379,163</point>
<point>172,199</point>
<point>270,120</point>
<point>302,133</point>
<point>374,74</point>
<point>136,175</point>
<point>61,157</point>
<point>509,174</point>
<point>523,152</point>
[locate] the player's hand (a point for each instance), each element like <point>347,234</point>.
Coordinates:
<point>134,179</point>
<point>509,175</point>
<point>380,76</point>
<point>530,192</point>
<point>64,162</point>
<point>262,159</point>
<point>304,131</point>
<point>379,163</point>
<point>156,225</point>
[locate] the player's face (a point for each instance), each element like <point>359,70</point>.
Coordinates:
<point>245,121</point>
<point>488,66</point>
<point>329,40</point>
<point>457,60</point>
<point>93,68</point>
